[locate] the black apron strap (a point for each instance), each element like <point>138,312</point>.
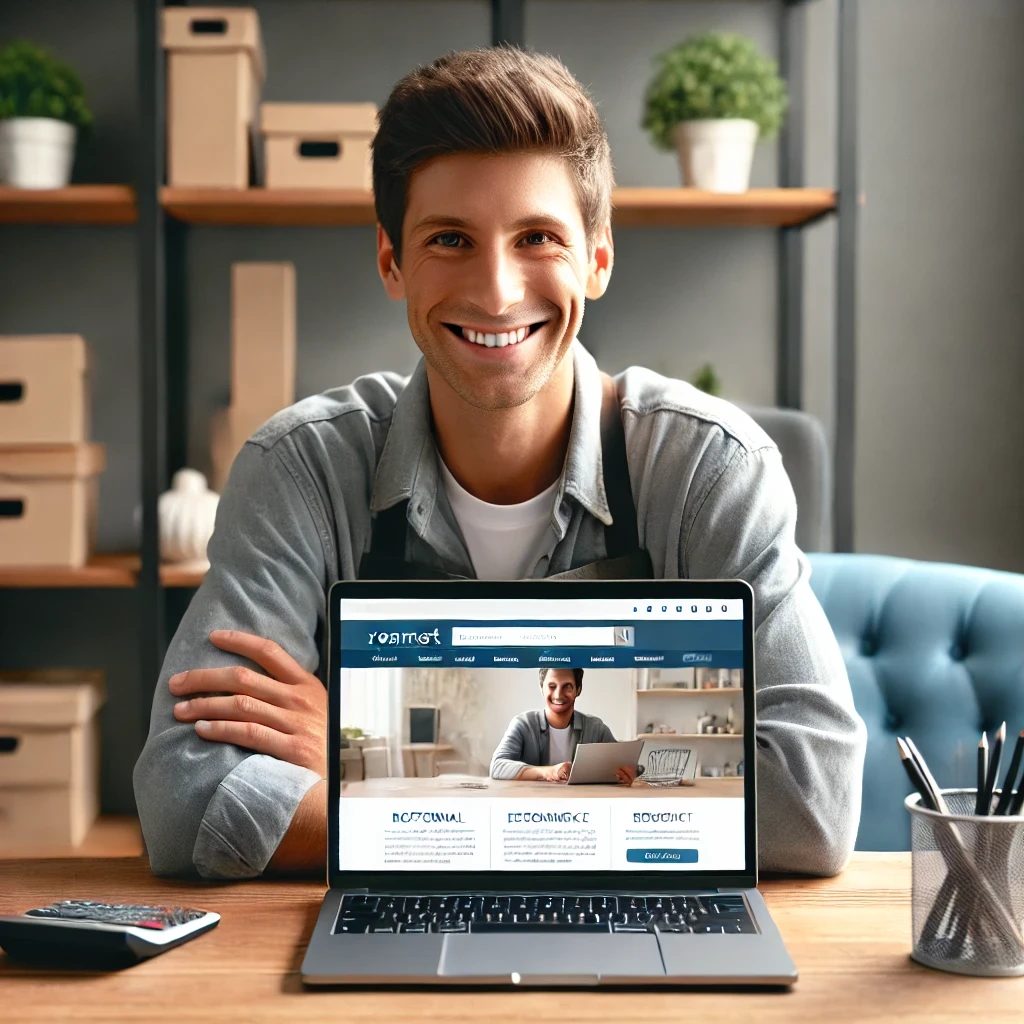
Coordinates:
<point>621,538</point>
<point>624,560</point>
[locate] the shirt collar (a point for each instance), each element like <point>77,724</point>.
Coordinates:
<point>408,463</point>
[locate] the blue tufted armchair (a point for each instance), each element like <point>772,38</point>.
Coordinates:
<point>933,651</point>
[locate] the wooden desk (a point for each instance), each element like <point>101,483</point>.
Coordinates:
<point>469,786</point>
<point>849,937</point>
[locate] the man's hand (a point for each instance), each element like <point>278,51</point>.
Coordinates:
<point>557,772</point>
<point>625,775</point>
<point>283,713</point>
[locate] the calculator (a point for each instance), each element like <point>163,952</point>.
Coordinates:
<point>84,933</point>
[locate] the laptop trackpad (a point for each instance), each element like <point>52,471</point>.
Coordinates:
<point>563,958</point>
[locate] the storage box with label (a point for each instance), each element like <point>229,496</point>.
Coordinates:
<point>215,68</point>
<point>49,760</point>
<point>44,396</point>
<point>318,145</point>
<point>48,503</point>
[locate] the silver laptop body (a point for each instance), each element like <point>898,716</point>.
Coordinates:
<point>440,873</point>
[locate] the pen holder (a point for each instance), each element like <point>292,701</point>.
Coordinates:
<point>968,888</point>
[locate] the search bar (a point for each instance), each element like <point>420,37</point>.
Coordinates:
<point>543,636</point>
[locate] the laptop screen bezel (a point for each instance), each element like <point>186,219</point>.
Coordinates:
<point>531,881</point>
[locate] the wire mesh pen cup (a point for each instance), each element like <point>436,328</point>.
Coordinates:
<point>968,887</point>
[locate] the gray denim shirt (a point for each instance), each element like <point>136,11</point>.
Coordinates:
<point>526,741</point>
<point>712,501</point>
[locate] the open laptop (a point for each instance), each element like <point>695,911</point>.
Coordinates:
<point>446,868</point>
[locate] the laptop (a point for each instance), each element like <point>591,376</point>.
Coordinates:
<point>462,861</point>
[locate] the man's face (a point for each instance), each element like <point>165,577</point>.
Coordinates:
<point>560,692</point>
<point>495,272</point>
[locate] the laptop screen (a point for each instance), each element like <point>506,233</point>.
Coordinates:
<point>527,734</point>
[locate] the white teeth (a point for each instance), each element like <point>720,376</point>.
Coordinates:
<point>495,340</point>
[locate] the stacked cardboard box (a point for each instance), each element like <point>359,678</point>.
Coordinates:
<point>49,766</point>
<point>49,473</point>
<point>215,68</point>
<point>262,357</point>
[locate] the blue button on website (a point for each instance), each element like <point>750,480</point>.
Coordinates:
<point>645,855</point>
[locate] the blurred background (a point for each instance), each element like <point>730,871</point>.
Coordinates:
<point>893,314</point>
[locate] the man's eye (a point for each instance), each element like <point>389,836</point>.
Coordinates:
<point>449,235</point>
<point>543,235</point>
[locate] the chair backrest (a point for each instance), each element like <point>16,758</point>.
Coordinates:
<point>934,652</point>
<point>801,439</point>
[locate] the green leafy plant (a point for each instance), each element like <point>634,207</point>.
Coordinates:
<point>706,379</point>
<point>715,75</point>
<point>33,83</point>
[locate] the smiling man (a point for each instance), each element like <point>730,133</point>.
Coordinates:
<point>538,746</point>
<point>505,454</point>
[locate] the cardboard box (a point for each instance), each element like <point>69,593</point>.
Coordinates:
<point>318,145</point>
<point>48,503</point>
<point>49,758</point>
<point>215,68</point>
<point>262,338</point>
<point>44,397</point>
<point>262,358</point>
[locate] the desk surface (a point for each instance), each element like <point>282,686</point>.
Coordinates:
<point>481,786</point>
<point>849,937</point>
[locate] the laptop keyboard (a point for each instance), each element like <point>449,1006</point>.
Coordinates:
<point>701,915</point>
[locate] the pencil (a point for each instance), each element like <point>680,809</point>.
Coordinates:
<point>914,774</point>
<point>982,773</point>
<point>1006,794</point>
<point>922,765</point>
<point>993,769</point>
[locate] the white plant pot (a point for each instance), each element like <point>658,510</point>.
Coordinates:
<point>36,152</point>
<point>716,154</point>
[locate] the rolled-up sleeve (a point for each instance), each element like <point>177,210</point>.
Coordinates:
<point>810,739</point>
<point>507,761</point>
<point>213,808</point>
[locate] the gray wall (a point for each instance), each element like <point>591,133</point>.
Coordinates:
<point>941,316</point>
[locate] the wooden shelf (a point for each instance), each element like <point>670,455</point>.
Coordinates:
<point>633,207</point>
<point>678,691</point>
<point>111,836</point>
<point>270,207</point>
<point>179,576</point>
<point>101,571</point>
<point>77,204</point>
<point>693,208</point>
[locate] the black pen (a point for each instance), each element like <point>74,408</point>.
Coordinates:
<point>1006,794</point>
<point>982,774</point>
<point>993,769</point>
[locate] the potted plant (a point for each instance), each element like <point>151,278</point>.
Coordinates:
<point>42,106</point>
<point>711,98</point>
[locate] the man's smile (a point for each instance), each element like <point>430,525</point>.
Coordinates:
<point>483,338</point>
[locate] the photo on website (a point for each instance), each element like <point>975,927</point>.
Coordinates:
<point>492,768</point>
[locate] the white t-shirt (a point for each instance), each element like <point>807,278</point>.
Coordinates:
<point>504,541</point>
<point>559,744</point>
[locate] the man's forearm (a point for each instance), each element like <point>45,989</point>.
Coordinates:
<point>303,849</point>
<point>531,774</point>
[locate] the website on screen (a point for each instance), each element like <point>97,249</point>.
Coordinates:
<point>541,735</point>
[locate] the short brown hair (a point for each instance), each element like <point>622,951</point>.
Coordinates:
<point>497,99</point>
<point>577,674</point>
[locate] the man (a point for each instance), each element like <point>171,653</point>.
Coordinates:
<point>492,183</point>
<point>538,746</point>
